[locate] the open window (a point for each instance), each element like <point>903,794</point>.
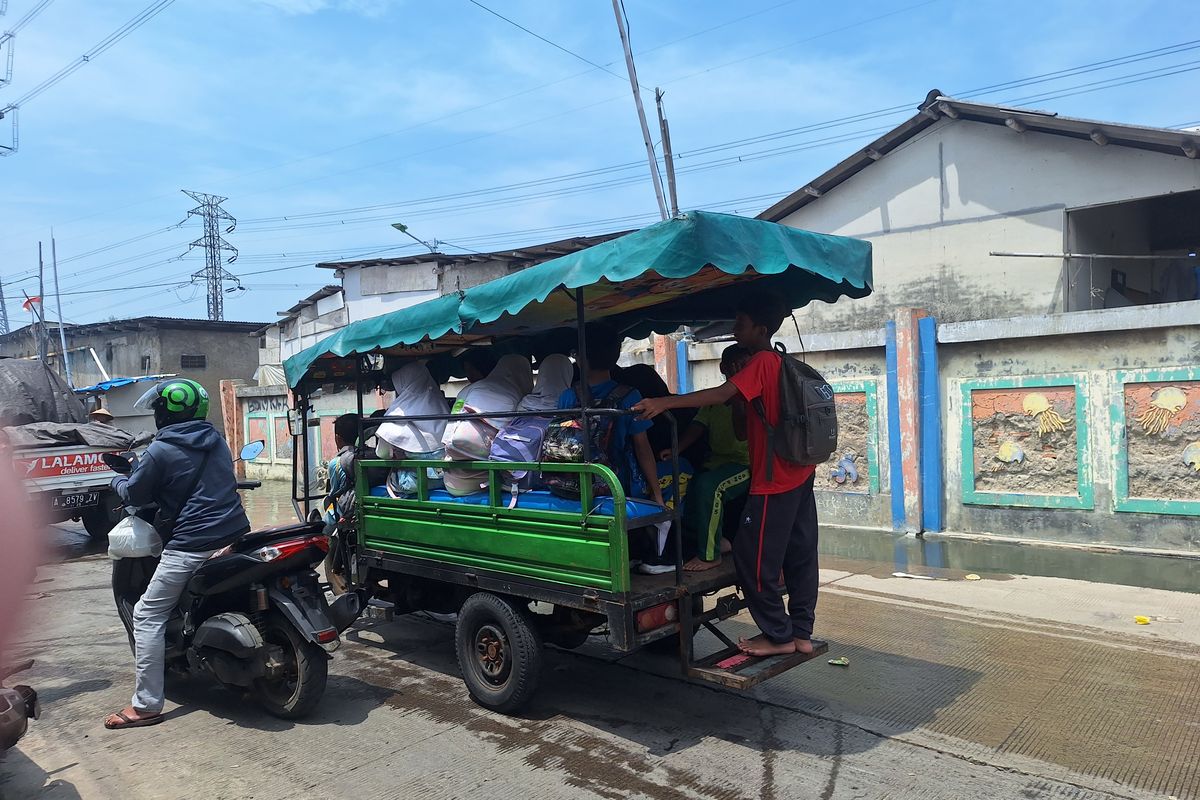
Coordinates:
<point>1135,252</point>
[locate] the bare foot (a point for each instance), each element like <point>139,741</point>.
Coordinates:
<point>726,546</point>
<point>700,565</point>
<point>762,646</point>
<point>804,646</point>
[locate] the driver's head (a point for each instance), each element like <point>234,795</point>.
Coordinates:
<point>345,430</point>
<point>174,401</point>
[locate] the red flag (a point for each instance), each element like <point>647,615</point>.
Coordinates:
<point>29,301</point>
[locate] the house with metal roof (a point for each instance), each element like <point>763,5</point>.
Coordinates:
<point>980,211</point>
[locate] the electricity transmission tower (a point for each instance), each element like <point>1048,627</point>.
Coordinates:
<point>214,273</point>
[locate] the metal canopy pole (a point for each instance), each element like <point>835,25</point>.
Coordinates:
<point>585,390</point>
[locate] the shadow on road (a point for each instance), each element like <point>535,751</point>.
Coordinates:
<point>644,700</point>
<point>21,779</point>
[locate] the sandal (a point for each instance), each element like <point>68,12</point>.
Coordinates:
<point>132,722</point>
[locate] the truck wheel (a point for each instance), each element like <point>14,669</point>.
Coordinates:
<point>499,652</point>
<point>302,672</point>
<point>100,519</point>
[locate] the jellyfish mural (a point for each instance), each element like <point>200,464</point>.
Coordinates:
<point>1048,420</point>
<point>1165,403</point>
<point>1191,456</point>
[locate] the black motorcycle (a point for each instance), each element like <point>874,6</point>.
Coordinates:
<point>255,616</point>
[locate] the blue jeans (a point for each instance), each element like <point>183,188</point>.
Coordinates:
<point>150,616</point>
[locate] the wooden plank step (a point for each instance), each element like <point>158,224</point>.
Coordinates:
<point>736,670</point>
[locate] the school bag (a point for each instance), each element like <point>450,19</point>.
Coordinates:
<point>468,439</point>
<point>520,440</point>
<point>563,444</point>
<point>807,431</point>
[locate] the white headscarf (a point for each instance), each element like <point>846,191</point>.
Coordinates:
<point>417,395</point>
<point>501,390</point>
<point>553,378</point>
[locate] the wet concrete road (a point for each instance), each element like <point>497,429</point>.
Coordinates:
<point>1013,686</point>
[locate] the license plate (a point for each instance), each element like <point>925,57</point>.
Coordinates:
<point>80,500</point>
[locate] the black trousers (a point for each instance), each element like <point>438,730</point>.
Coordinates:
<point>779,533</point>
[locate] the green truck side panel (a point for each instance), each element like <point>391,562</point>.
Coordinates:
<point>570,548</point>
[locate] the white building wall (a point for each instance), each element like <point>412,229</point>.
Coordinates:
<point>372,291</point>
<point>934,208</point>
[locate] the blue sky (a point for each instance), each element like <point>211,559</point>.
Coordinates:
<point>333,107</point>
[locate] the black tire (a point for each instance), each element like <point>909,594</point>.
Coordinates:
<point>499,652</point>
<point>297,693</point>
<point>100,519</point>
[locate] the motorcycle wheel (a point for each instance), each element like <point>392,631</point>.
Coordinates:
<point>297,691</point>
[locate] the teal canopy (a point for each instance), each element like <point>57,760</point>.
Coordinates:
<point>683,271</point>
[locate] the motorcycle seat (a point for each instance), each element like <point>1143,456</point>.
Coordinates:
<point>258,538</point>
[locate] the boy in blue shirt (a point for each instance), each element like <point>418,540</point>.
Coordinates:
<point>630,446</point>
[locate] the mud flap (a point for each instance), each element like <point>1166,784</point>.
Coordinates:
<point>347,608</point>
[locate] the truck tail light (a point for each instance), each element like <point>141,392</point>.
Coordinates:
<point>656,617</point>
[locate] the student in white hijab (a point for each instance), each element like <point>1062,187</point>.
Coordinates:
<point>471,439</point>
<point>417,395</point>
<point>553,378</point>
<point>500,391</point>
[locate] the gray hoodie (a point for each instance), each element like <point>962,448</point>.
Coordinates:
<point>212,517</point>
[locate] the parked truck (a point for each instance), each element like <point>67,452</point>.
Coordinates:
<point>55,451</point>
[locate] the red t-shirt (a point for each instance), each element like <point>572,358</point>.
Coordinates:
<point>760,378</point>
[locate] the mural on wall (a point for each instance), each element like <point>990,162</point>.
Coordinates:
<point>853,467</point>
<point>1162,434</point>
<point>283,439</point>
<point>258,428</point>
<point>1025,440</point>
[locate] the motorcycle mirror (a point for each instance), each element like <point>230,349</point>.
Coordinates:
<point>252,450</point>
<point>118,464</point>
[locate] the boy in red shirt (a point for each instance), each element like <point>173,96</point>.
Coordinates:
<point>779,526</point>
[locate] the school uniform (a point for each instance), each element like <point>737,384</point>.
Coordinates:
<point>778,532</point>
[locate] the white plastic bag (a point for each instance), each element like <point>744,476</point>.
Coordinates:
<point>133,537</point>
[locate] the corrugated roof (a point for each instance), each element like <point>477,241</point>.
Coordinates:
<point>938,107</point>
<point>535,252</point>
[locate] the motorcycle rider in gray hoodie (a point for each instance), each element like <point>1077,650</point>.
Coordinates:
<point>188,472</point>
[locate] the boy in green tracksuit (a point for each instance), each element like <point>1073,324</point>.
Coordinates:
<point>725,476</point>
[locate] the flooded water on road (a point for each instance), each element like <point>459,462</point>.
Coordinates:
<point>870,551</point>
<point>843,548</point>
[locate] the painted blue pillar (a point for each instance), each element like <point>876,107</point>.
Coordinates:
<point>683,366</point>
<point>931,429</point>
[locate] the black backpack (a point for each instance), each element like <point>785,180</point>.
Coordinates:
<point>807,429</point>
<point>563,444</point>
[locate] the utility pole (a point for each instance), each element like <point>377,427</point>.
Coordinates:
<point>3,311</point>
<point>214,273</point>
<point>655,178</point>
<point>667,157</point>
<point>41,315</point>
<point>62,335</point>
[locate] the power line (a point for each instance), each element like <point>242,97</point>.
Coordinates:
<point>1067,91</point>
<point>555,45</point>
<point>29,16</point>
<point>461,112</point>
<point>144,16</point>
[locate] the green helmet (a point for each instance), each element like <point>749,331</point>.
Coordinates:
<point>175,400</point>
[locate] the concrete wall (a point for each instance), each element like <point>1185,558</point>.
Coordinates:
<point>936,207</point>
<point>371,291</point>
<point>153,351</point>
<point>1080,428</point>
